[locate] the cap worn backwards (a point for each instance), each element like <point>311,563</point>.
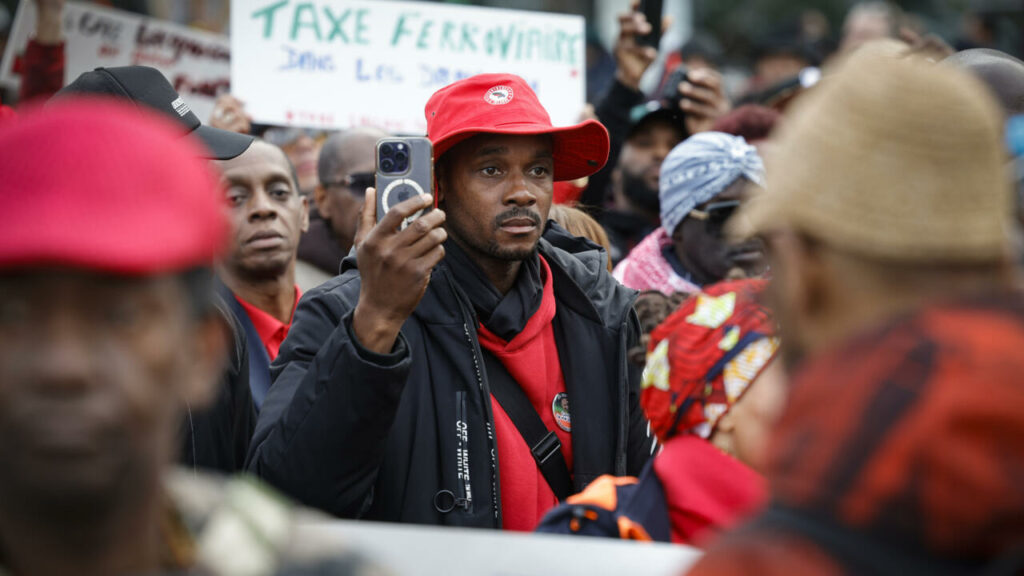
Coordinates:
<point>148,87</point>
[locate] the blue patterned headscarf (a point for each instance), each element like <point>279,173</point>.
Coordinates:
<point>700,168</point>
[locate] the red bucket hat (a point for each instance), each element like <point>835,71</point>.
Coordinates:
<point>505,104</point>
<point>102,185</point>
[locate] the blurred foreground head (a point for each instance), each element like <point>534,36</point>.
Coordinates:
<point>887,190</point>
<point>899,448</point>
<point>107,329</point>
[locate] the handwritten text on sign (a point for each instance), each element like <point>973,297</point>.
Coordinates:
<point>343,63</point>
<point>196,63</point>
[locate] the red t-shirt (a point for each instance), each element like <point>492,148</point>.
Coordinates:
<point>706,490</point>
<point>532,360</point>
<point>271,330</point>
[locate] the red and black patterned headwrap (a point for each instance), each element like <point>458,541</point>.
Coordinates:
<point>701,359</point>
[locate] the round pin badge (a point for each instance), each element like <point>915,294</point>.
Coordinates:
<point>560,408</point>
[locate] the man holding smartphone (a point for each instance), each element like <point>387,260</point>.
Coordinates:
<point>469,369</point>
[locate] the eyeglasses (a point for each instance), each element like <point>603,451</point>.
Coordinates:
<point>284,136</point>
<point>716,214</point>
<point>357,183</point>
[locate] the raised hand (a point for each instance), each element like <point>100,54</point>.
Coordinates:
<point>229,114</point>
<point>704,99</point>
<point>395,267</point>
<point>632,58</point>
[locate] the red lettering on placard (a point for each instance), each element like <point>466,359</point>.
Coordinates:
<point>108,51</point>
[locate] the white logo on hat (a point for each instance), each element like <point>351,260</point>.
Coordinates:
<point>499,95</point>
<point>180,107</point>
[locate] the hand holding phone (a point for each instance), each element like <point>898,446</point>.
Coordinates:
<point>632,56</point>
<point>404,243</point>
<point>652,11</point>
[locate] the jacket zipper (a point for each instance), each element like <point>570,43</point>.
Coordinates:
<point>622,458</point>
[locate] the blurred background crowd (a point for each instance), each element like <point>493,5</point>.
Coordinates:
<point>754,43</point>
<point>824,183</point>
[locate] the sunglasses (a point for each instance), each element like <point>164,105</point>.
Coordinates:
<point>357,183</point>
<point>284,136</point>
<point>716,214</point>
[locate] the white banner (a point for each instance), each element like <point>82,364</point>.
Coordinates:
<point>343,63</point>
<point>429,550</point>
<point>198,64</point>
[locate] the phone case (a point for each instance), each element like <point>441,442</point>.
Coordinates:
<point>418,178</point>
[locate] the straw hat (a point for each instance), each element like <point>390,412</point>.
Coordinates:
<point>894,160</point>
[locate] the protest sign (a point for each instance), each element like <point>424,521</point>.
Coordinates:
<point>423,550</point>
<point>342,63</point>
<point>197,63</point>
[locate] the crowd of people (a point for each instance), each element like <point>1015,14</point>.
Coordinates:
<point>786,333</point>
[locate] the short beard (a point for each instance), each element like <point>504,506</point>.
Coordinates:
<point>491,248</point>
<point>639,193</point>
<point>498,252</point>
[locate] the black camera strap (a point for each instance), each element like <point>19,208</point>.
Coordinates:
<point>543,443</point>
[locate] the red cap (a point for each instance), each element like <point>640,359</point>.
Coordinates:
<point>101,185</point>
<point>505,104</point>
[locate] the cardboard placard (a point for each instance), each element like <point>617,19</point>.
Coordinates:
<point>343,63</point>
<point>197,63</point>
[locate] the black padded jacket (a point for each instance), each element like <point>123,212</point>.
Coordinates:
<point>408,436</point>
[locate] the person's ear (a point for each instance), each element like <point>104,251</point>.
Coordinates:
<point>812,279</point>
<point>210,339</point>
<point>322,200</point>
<point>722,437</point>
<point>305,214</point>
<point>677,234</point>
<point>442,180</point>
<point>439,185</point>
<point>799,274</point>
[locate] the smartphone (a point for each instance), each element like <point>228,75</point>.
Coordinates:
<point>405,168</point>
<point>670,94</point>
<point>652,10</point>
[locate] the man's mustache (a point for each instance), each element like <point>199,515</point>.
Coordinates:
<point>514,213</point>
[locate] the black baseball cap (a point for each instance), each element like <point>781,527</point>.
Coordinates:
<point>148,87</point>
<point>655,111</point>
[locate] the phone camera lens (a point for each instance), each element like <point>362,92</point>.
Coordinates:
<point>386,150</point>
<point>401,157</point>
<point>387,165</point>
